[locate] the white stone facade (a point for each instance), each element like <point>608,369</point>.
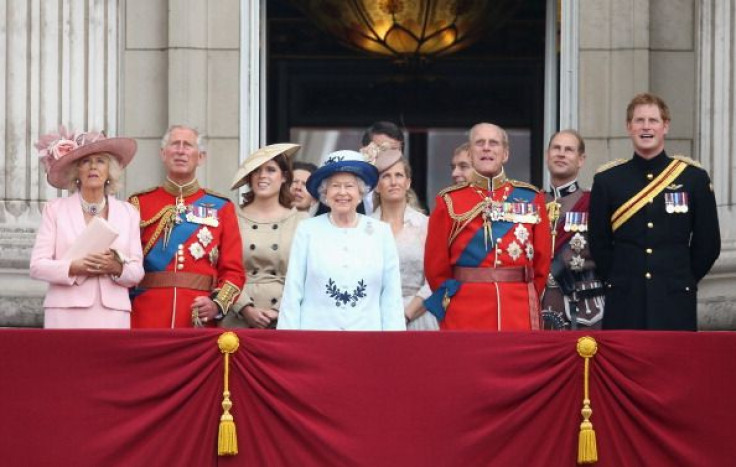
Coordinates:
<point>133,67</point>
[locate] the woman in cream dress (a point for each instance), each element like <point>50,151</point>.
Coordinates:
<point>267,225</point>
<point>392,204</point>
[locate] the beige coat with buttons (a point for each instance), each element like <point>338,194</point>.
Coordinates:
<point>266,248</point>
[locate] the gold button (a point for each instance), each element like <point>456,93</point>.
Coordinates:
<point>648,276</point>
<point>650,225</point>
<point>687,289</point>
<point>181,246</point>
<point>649,251</point>
<point>651,200</point>
<point>650,176</point>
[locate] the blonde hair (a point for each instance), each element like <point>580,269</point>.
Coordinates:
<point>411,196</point>
<point>114,172</point>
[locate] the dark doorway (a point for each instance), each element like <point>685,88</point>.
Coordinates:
<point>314,82</point>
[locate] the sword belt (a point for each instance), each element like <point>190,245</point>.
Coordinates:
<point>184,280</point>
<point>505,274</point>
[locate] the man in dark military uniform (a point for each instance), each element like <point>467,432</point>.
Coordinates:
<point>653,228</point>
<point>574,295</point>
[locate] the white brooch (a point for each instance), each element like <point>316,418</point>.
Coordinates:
<point>514,250</point>
<point>577,243</point>
<point>196,250</point>
<point>521,233</point>
<point>205,236</point>
<point>530,251</point>
<point>576,263</point>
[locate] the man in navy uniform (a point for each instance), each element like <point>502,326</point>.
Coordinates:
<point>654,228</point>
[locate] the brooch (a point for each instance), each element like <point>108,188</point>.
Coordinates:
<point>205,236</point>
<point>196,250</point>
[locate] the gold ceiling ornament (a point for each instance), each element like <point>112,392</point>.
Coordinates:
<point>407,29</point>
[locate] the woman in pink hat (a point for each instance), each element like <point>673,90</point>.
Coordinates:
<point>267,224</point>
<point>89,278</point>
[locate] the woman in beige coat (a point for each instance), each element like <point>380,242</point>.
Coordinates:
<point>267,224</point>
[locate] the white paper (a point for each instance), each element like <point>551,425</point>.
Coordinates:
<point>96,238</point>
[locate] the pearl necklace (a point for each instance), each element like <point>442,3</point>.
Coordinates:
<point>94,209</point>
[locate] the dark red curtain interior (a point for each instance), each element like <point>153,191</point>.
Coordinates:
<point>102,398</point>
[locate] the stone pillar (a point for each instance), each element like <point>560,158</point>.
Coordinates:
<point>182,66</point>
<point>717,147</point>
<point>614,66</point>
<point>58,65</point>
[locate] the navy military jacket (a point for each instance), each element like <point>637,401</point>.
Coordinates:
<point>654,261</point>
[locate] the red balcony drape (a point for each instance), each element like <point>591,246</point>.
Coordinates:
<point>107,398</point>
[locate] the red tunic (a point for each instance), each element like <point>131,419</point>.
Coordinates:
<point>477,228</point>
<point>204,244</point>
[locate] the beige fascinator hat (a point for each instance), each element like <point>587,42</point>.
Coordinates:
<point>58,151</point>
<point>386,158</point>
<point>260,157</point>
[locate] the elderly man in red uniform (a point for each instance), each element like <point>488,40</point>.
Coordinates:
<point>487,254</point>
<point>191,243</point>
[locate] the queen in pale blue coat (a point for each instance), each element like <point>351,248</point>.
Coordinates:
<point>344,268</point>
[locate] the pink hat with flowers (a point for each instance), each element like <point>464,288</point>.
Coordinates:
<point>59,150</point>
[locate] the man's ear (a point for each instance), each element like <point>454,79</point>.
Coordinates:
<point>202,157</point>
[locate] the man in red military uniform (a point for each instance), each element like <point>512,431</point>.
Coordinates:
<point>191,244</point>
<point>488,246</point>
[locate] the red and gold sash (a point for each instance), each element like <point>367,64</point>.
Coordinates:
<point>627,210</point>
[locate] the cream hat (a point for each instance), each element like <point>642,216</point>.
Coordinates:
<point>260,157</point>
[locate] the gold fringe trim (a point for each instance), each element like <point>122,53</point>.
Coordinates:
<point>227,437</point>
<point>587,448</point>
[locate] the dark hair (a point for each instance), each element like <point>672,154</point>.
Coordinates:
<point>647,98</point>
<point>389,129</point>
<point>285,197</point>
<point>301,165</point>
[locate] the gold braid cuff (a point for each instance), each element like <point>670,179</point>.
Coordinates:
<point>225,296</point>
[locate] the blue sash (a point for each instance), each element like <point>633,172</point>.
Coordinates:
<point>159,257</point>
<point>475,252</point>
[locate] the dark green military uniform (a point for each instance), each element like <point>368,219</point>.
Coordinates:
<point>653,261</point>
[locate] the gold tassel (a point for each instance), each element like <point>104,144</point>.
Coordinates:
<point>227,438</point>
<point>587,448</point>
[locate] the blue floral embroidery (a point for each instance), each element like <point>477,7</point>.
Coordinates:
<point>342,298</point>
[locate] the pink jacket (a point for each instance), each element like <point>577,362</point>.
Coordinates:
<point>63,221</point>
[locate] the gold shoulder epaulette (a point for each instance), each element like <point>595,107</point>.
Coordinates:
<point>143,192</point>
<point>219,195</point>
<point>611,164</point>
<point>452,188</point>
<point>687,160</point>
<point>133,199</point>
<point>521,184</point>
